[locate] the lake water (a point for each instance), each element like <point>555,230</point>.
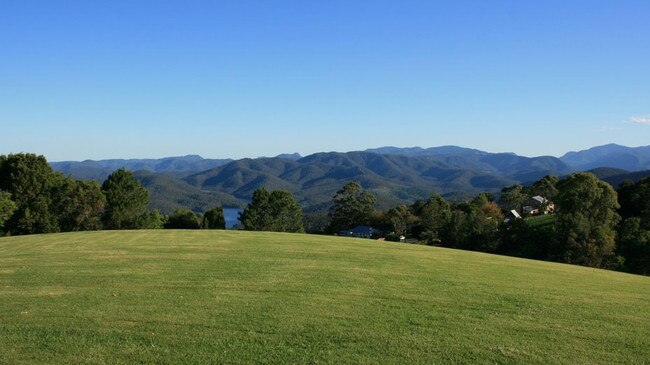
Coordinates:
<point>232,216</point>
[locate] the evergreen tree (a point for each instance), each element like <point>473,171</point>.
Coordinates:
<point>126,201</point>
<point>434,218</point>
<point>276,211</point>
<point>257,215</point>
<point>80,205</point>
<point>351,206</point>
<point>286,213</point>
<point>400,220</point>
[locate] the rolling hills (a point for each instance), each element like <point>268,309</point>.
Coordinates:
<point>394,175</point>
<point>392,178</point>
<point>174,297</point>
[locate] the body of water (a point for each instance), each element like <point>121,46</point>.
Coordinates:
<point>232,216</point>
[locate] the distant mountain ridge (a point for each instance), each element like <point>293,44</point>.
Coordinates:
<point>610,155</point>
<point>393,178</point>
<point>99,170</point>
<point>419,151</point>
<point>394,174</point>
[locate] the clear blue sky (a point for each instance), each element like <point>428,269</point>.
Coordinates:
<point>123,79</point>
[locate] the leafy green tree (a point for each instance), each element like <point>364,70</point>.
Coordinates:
<point>586,220</point>
<point>351,206</point>
<point>475,226</point>
<point>634,246</point>
<point>182,219</point>
<point>530,238</point>
<point>277,211</point>
<point>546,187</point>
<point>315,222</point>
<point>634,233</point>
<point>401,220</point>
<point>154,220</point>
<point>214,219</point>
<point>32,183</point>
<point>80,205</point>
<point>513,198</point>
<point>434,218</point>
<point>126,201</point>
<point>7,208</point>
<point>635,201</point>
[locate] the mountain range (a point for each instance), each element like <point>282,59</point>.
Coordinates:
<point>395,175</point>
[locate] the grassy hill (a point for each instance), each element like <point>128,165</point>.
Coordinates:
<point>171,297</point>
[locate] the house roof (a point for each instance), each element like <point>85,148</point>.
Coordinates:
<point>514,214</point>
<point>540,199</point>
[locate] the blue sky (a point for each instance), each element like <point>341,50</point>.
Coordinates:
<point>127,79</point>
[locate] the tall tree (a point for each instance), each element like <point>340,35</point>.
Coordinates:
<point>634,245</point>
<point>586,220</point>
<point>257,215</point>
<point>80,205</point>
<point>634,232</point>
<point>214,219</point>
<point>401,220</point>
<point>286,213</point>
<point>434,218</point>
<point>351,206</point>
<point>126,201</point>
<point>31,182</point>
<point>277,211</point>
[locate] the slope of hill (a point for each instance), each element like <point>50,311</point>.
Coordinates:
<point>605,172</point>
<point>170,297</point>
<point>610,155</point>
<point>167,193</point>
<point>616,180</point>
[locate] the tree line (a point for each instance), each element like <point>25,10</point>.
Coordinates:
<point>593,224</point>
<point>35,199</point>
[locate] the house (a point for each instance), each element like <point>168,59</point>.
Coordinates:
<point>361,232</point>
<point>536,203</point>
<point>511,216</point>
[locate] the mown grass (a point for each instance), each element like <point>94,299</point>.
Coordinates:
<point>173,297</point>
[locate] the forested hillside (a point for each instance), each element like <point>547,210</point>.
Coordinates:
<point>395,175</point>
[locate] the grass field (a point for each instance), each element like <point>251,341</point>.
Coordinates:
<point>171,297</point>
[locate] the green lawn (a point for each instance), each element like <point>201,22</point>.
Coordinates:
<point>170,297</point>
